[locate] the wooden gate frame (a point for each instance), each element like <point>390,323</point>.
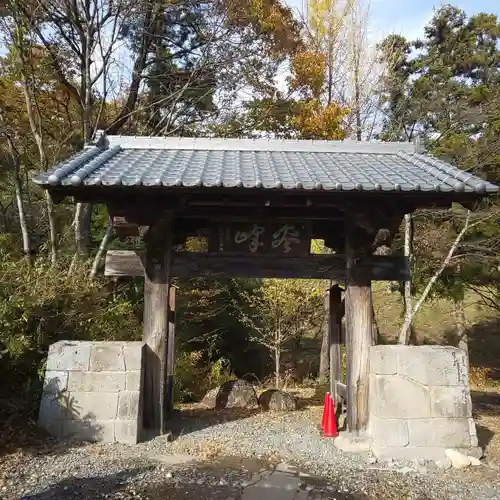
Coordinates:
<point>355,267</point>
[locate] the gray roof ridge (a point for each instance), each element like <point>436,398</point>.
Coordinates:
<point>92,165</point>
<point>72,164</point>
<point>261,144</point>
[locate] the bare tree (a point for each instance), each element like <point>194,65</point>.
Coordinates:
<point>404,335</point>
<point>102,248</point>
<point>339,29</point>
<point>285,310</point>
<point>408,252</point>
<point>460,320</point>
<point>20,37</point>
<point>13,157</point>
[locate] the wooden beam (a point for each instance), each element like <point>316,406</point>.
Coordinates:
<point>334,326</point>
<point>155,329</point>
<point>127,195</point>
<point>358,320</point>
<point>123,228</point>
<point>192,264</point>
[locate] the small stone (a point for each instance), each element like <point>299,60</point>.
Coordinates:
<point>444,464</point>
<point>474,461</point>
<point>168,475</point>
<point>286,468</point>
<point>274,399</point>
<point>232,394</point>
<point>458,460</point>
<point>405,470</point>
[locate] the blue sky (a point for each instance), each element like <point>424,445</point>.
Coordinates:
<point>408,17</point>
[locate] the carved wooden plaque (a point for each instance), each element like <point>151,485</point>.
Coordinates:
<point>287,239</point>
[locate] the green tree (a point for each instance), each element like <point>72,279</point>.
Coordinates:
<point>444,89</point>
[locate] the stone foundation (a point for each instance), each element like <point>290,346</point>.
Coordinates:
<point>420,402</point>
<point>92,391</point>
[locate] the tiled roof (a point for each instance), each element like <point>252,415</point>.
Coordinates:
<point>260,164</point>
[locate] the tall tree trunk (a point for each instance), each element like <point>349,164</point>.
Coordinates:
<point>277,363</point>
<point>83,217</point>
<point>52,228</point>
<point>404,333</point>
<point>36,130</point>
<point>330,72</point>
<point>81,225</point>
<point>357,99</point>
<point>407,295</point>
<point>151,15</point>
<point>102,248</point>
<point>83,211</point>
<point>324,356</point>
<point>461,325</point>
<point>460,320</point>
<point>18,187</point>
<point>22,215</point>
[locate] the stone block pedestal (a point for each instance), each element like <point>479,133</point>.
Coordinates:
<point>92,391</point>
<point>420,402</point>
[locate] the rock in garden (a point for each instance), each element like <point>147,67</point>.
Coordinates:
<point>444,464</point>
<point>458,460</point>
<point>274,399</point>
<point>210,399</point>
<point>232,394</point>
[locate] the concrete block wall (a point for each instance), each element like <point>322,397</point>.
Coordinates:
<point>92,391</point>
<point>420,403</point>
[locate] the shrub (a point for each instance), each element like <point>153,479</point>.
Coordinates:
<point>40,305</point>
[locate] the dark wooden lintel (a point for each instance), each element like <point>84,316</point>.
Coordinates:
<point>146,213</point>
<point>192,264</point>
<point>106,194</point>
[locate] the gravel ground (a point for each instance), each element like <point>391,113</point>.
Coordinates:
<point>230,447</point>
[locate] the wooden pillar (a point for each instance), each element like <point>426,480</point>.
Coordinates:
<point>358,320</point>
<point>169,382</point>
<point>156,286</point>
<point>334,326</point>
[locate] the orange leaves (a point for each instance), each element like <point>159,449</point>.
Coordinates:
<point>308,72</point>
<point>311,118</point>
<point>317,121</point>
<point>271,19</point>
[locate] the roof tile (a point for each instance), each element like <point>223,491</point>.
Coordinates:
<point>266,164</point>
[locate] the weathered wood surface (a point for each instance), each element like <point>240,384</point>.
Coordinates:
<point>324,353</point>
<point>155,326</point>
<point>341,390</point>
<point>169,382</point>
<point>358,321</point>
<point>191,264</point>
<point>123,228</point>
<point>334,329</point>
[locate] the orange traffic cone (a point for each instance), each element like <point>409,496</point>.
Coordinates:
<point>330,429</point>
<point>325,409</point>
